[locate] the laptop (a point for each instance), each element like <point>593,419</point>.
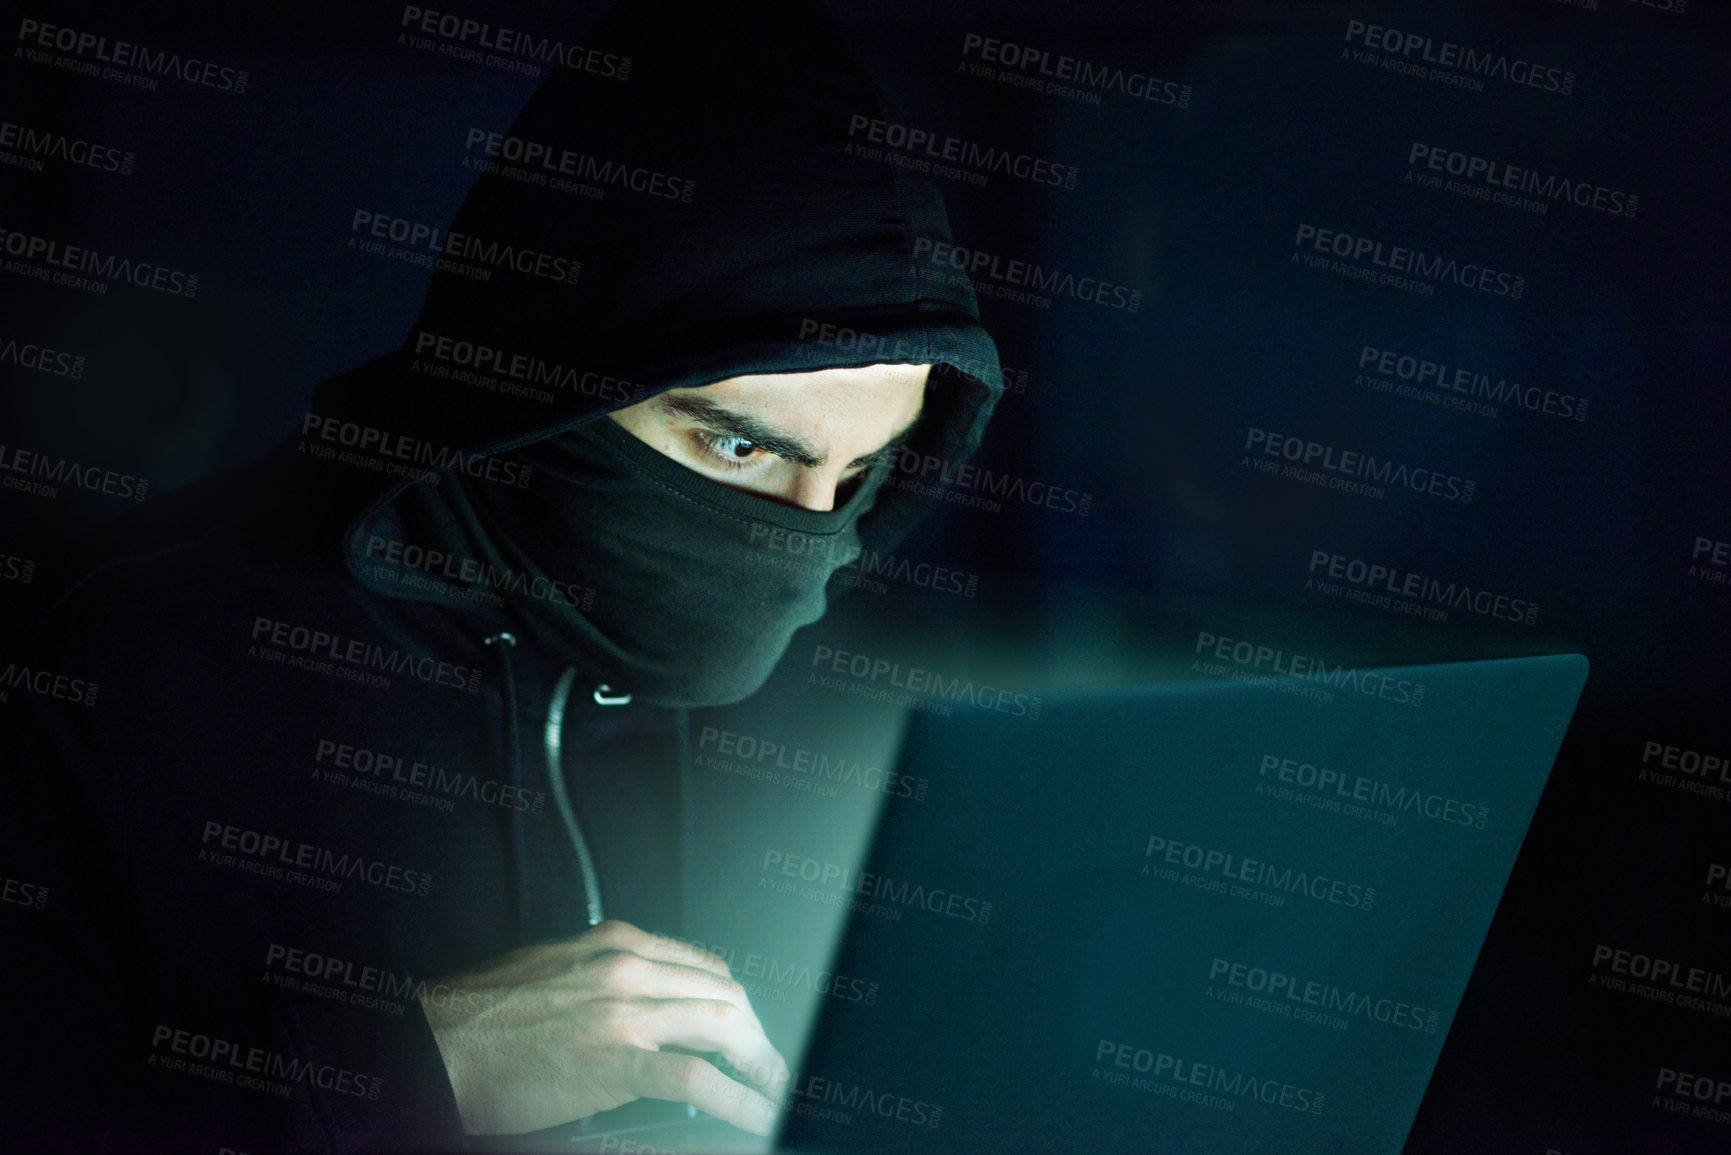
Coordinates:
<point>1224,916</point>
<point>1188,917</point>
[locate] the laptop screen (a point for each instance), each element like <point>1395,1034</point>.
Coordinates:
<point>1201,916</point>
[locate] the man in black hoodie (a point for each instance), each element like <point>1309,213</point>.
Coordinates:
<point>296,761</point>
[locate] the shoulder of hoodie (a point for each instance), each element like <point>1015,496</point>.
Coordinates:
<point>208,552</point>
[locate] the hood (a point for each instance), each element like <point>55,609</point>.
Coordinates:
<point>698,213</point>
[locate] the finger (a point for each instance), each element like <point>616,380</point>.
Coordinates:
<point>688,1079</point>
<point>714,1025</point>
<point>616,935</point>
<point>626,975</point>
<point>665,948</point>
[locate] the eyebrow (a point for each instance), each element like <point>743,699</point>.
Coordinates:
<point>720,419</point>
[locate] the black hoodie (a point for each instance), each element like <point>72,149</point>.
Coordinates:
<point>259,798</point>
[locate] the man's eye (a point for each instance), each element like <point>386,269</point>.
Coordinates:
<point>728,452</point>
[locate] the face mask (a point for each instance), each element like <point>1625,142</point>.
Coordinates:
<point>676,588</point>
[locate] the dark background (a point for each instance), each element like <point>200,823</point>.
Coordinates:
<point>1145,411</point>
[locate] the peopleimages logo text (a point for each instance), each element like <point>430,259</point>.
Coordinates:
<point>63,471</point>
<point>360,985</point>
<point>46,683</point>
<point>467,571</point>
<point>931,683</point>
<point>936,146</point>
<point>517,368</point>
<point>897,347</point>
<point>438,242</point>
<point>44,142</point>
<point>1358,788</point>
<point>753,751</point>
<point>878,886</point>
<point>1331,1001</point>
<point>1257,872</point>
<point>335,865</point>
<point>1402,263</point>
<point>1073,70</point>
<point>1353,463</point>
<point>1253,658</point>
<point>937,474</point>
<point>985,269</point>
<point>1501,175</point>
<point>1422,587</point>
<point>1439,376</point>
<point>124,54</point>
<point>1234,1087</point>
<point>430,455</point>
<point>78,259</point>
<point>359,654</point>
<point>510,42</point>
<point>1446,54</point>
<point>232,1062</point>
<point>545,160</point>
<point>41,358</point>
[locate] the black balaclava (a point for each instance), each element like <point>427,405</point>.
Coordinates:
<point>747,225</point>
<point>686,591</point>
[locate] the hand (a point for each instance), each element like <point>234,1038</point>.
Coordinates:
<point>566,1029</point>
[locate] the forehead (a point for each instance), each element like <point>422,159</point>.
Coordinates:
<point>832,400</point>
<point>862,378</point>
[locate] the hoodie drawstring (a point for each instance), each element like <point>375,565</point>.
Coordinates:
<point>553,743</point>
<point>687,817</point>
<point>553,740</point>
<point>506,641</point>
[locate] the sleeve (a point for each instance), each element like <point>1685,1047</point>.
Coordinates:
<point>93,1061</point>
